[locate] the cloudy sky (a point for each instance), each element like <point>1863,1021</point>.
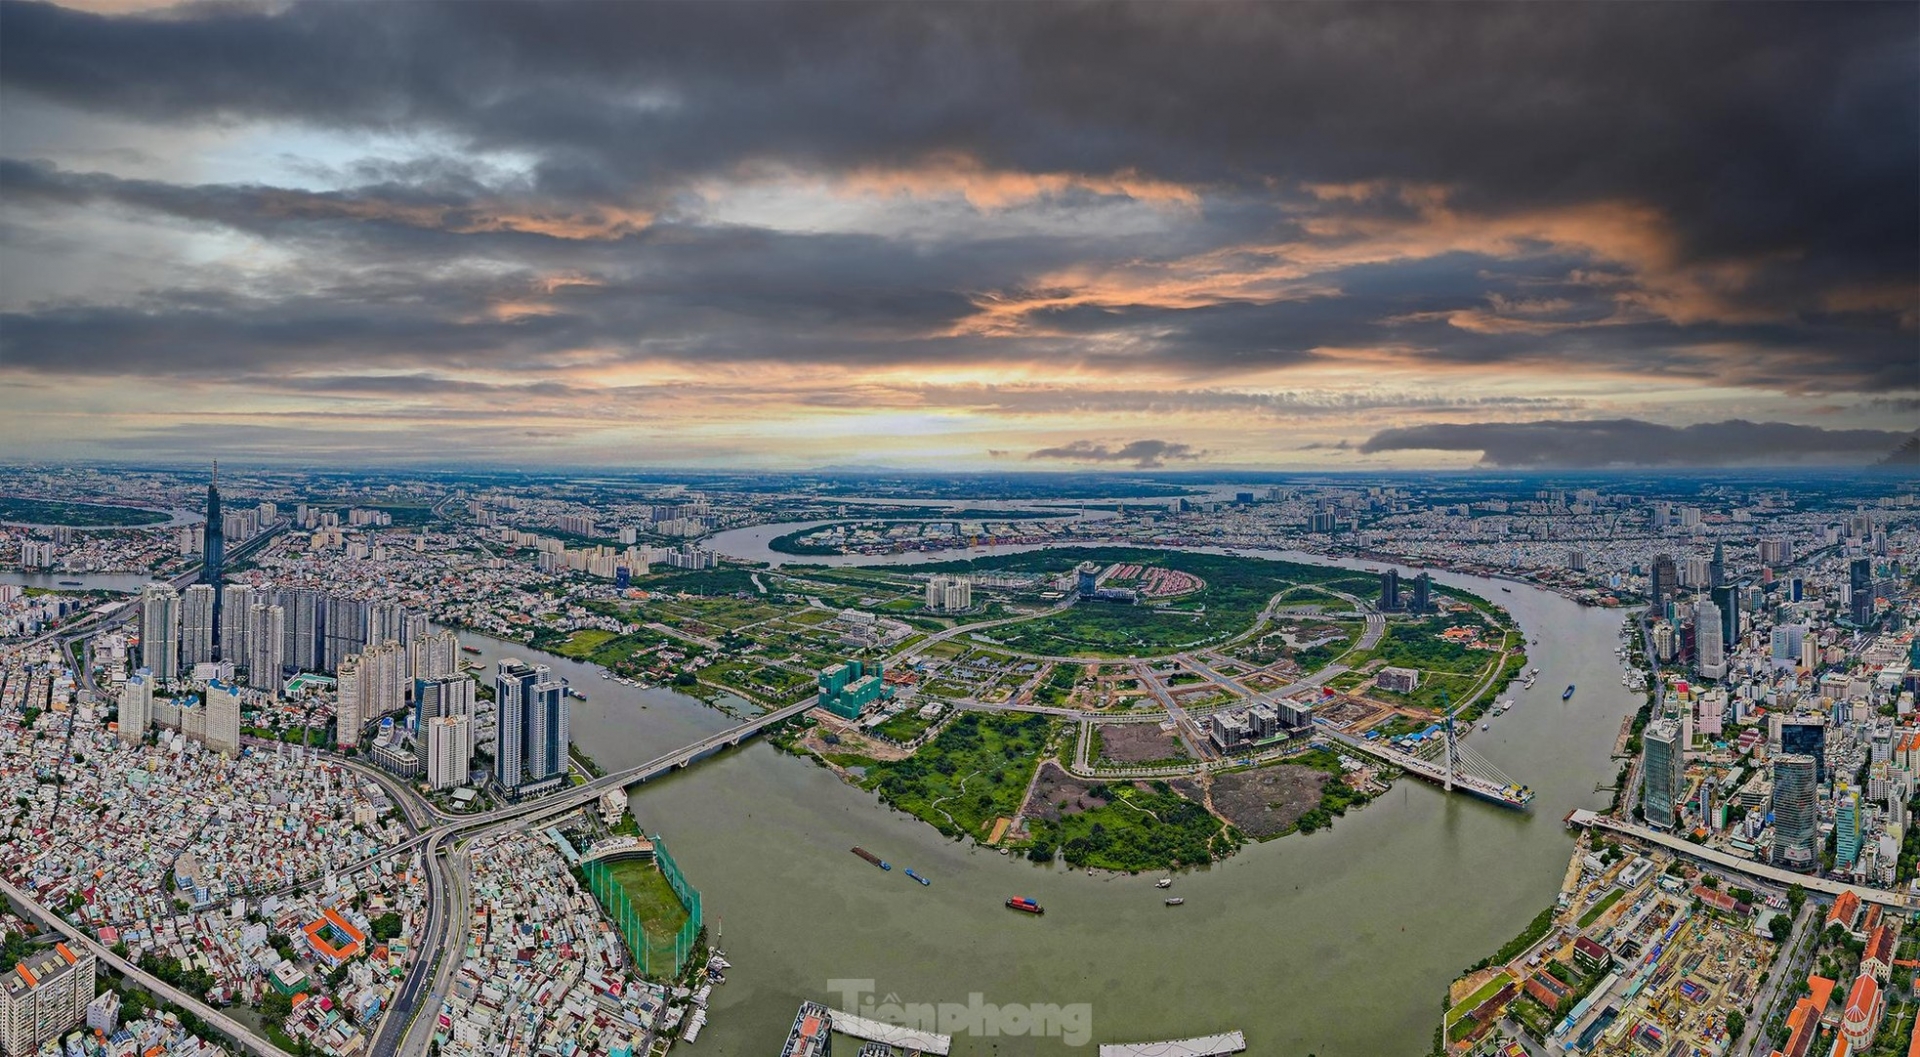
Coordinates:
<point>1018,236</point>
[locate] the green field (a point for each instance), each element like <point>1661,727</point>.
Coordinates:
<point>975,771</point>
<point>583,644</point>
<point>1236,591</point>
<point>1136,829</point>
<point>1593,912</point>
<point>653,900</point>
<point>15,509</point>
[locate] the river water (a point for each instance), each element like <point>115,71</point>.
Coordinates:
<point>1336,943</point>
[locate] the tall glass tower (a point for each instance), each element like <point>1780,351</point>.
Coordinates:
<point>213,572</point>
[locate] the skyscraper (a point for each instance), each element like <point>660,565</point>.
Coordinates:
<point>531,727</point>
<point>266,635</point>
<point>1860,584</point>
<point>386,622</point>
<point>1390,590</point>
<point>348,712</point>
<point>345,630</point>
<point>1806,736</point>
<point>160,631</point>
<point>1663,583</point>
<point>136,707</point>
<point>1717,568</point>
<point>1727,598</point>
<point>1664,770</point>
<point>1846,828</point>
<point>213,572</point>
<point>1423,592</point>
<point>196,625</point>
<point>434,656</point>
<point>237,602</point>
<point>1709,648</point>
<point>434,698</point>
<point>223,718</point>
<point>1796,814</point>
<point>449,741</point>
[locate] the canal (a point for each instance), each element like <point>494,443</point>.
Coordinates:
<point>1335,943</point>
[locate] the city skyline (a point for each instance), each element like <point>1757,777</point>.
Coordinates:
<point>1025,238</point>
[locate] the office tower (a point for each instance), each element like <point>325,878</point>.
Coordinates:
<point>1664,582</point>
<point>434,698</point>
<point>1796,812</point>
<point>1664,772</point>
<point>160,631</point>
<point>1860,581</point>
<point>237,605</point>
<point>1846,828</point>
<point>434,656</point>
<point>349,709</point>
<point>196,625</point>
<point>223,718</point>
<point>44,997</point>
<point>1709,650</point>
<point>449,743</point>
<point>1086,579</point>
<point>345,630</point>
<point>266,635</point>
<point>1390,591</point>
<point>1423,593</point>
<point>1727,598</point>
<point>1806,736</point>
<point>136,707</point>
<point>1717,569</point>
<point>386,622</point>
<point>1786,642</point>
<point>213,571</point>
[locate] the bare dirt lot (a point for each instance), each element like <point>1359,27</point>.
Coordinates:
<point>1138,743</point>
<point>1058,794</point>
<point>1267,802</point>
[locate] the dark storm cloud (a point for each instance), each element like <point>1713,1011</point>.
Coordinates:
<point>1629,442</point>
<point>1774,149</point>
<point>1143,454</point>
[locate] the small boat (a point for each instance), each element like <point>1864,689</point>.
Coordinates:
<point>717,960</point>
<point>1025,905</point>
<point>70,583</point>
<point>469,649</point>
<point>1568,693</point>
<point>872,858</point>
<point>1175,901</point>
<point>1508,590</point>
<point>1486,726</point>
<point>1164,882</point>
<point>606,675</point>
<point>917,877</point>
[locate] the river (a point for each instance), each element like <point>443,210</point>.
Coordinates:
<point>56,581</point>
<point>1337,943</point>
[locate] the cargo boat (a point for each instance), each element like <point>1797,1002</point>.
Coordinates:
<point>469,649</point>
<point>1175,901</point>
<point>917,877</point>
<point>872,858</point>
<point>1568,693</point>
<point>1022,903</point>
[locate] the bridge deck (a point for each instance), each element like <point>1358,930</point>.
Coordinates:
<point>1206,1046</point>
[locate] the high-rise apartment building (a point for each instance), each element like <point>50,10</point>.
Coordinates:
<point>1847,828</point>
<point>449,696</point>
<point>349,713</point>
<point>530,728</point>
<point>1796,812</point>
<point>434,656</point>
<point>43,997</point>
<point>383,677</point>
<point>949,594</point>
<point>160,631</point>
<point>1664,773</point>
<point>344,630</point>
<point>236,606</point>
<point>136,707</point>
<point>449,741</point>
<point>1390,590</point>
<point>222,718</point>
<point>266,636</point>
<point>386,622</point>
<point>197,629</point>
